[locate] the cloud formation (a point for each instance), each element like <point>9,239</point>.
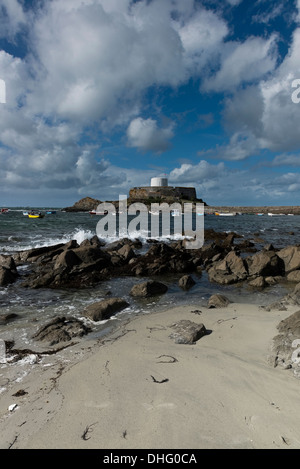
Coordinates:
<point>145,134</point>
<point>86,69</point>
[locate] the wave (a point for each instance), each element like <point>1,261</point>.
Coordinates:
<point>17,244</point>
<point>39,241</point>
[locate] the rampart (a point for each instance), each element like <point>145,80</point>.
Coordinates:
<point>165,192</point>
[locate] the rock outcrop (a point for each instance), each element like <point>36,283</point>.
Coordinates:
<point>222,257</point>
<point>149,288</point>
<point>104,309</point>
<point>186,282</point>
<point>286,345</point>
<point>187,332</point>
<point>218,301</point>
<point>61,329</point>
<point>83,205</point>
<point>8,270</point>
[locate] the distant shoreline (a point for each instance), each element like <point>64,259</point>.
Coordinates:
<point>284,209</point>
<point>211,209</point>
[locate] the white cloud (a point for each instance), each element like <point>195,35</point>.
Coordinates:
<point>189,173</point>
<point>144,134</point>
<point>298,8</point>
<point>266,111</point>
<point>217,184</point>
<point>90,65</point>
<point>243,63</point>
<point>12,18</point>
<point>201,35</point>
<point>286,160</point>
<point>96,60</point>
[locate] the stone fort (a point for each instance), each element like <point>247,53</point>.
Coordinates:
<point>159,188</point>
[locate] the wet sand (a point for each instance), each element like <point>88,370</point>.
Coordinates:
<point>138,389</point>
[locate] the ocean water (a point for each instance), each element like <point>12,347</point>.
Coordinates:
<point>34,308</point>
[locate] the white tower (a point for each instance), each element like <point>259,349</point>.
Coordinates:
<point>159,182</point>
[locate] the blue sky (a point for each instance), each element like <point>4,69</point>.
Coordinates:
<point>102,95</point>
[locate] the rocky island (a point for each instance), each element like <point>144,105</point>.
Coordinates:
<point>147,197</point>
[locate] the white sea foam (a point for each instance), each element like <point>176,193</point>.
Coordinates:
<point>37,242</point>
<point>144,236</point>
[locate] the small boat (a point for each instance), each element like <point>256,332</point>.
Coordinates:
<point>4,210</point>
<point>225,214</point>
<point>35,215</point>
<point>176,213</point>
<point>259,214</point>
<point>51,212</point>
<point>94,212</point>
<point>276,214</point>
<point>153,212</point>
<point>25,214</point>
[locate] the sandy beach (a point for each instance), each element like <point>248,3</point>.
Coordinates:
<point>138,389</point>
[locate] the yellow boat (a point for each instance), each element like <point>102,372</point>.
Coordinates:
<point>35,215</point>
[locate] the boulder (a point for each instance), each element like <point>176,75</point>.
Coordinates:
<point>187,332</point>
<point>209,251</point>
<point>46,252</point>
<point>186,282</point>
<point>94,241</point>
<point>148,288</point>
<point>291,258</point>
<point>285,346</point>
<point>294,276</point>
<point>126,252</point>
<point>291,299</point>
<point>67,260</point>
<point>231,269</point>
<point>8,262</point>
<point>7,276</point>
<point>265,263</point>
<point>273,280</point>
<point>236,265</point>
<point>218,301</point>
<point>163,258</point>
<point>8,270</point>
<point>90,254</point>
<point>61,329</point>
<point>104,309</point>
<point>258,282</point>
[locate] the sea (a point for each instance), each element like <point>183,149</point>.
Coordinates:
<point>34,308</point>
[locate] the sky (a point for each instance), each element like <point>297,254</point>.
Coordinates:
<point>98,96</point>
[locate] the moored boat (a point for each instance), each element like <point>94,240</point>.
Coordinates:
<point>225,214</point>
<point>35,215</point>
<point>175,213</point>
<point>94,212</point>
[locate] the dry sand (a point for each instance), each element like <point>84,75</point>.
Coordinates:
<point>138,389</point>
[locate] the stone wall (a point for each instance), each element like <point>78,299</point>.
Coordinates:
<point>188,193</point>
